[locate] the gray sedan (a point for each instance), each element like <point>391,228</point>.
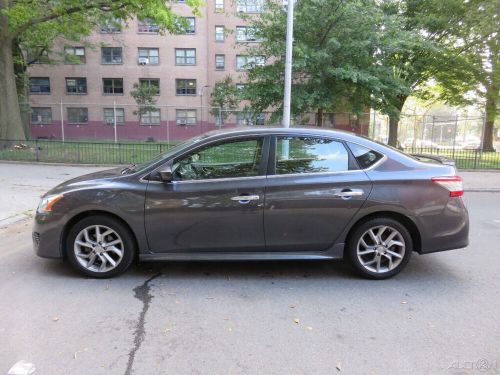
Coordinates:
<point>258,194</point>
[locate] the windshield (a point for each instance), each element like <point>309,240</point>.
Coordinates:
<point>165,155</point>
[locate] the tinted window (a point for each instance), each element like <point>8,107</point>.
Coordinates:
<point>310,155</point>
<point>221,160</point>
<point>364,156</point>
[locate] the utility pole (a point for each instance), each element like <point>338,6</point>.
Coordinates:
<point>288,64</point>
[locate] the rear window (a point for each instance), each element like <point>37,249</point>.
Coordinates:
<point>365,157</point>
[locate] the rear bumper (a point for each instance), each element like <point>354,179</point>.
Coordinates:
<point>47,234</point>
<point>448,231</point>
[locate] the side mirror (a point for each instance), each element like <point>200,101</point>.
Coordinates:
<point>166,174</point>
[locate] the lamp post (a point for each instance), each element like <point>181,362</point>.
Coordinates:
<point>288,64</point>
<point>201,102</point>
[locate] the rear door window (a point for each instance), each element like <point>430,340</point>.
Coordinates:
<point>295,155</point>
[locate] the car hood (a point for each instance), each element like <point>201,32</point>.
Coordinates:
<point>91,179</point>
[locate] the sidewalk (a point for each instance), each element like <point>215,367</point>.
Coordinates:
<point>481,180</point>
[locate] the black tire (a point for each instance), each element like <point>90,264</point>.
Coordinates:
<point>360,230</point>
<point>128,245</point>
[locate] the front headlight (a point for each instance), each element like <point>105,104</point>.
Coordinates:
<point>46,204</point>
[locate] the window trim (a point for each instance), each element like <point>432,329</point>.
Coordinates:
<point>78,122</point>
<point>223,34</point>
<point>39,92</point>
<point>185,80</point>
<point>224,61</point>
<point>149,83</point>
<point>118,123</point>
<point>111,63</point>
<point>148,49</point>
<point>76,93</point>
<point>41,122</point>
<point>186,49</point>
<point>158,109</point>
<point>74,48</point>
<point>113,86</point>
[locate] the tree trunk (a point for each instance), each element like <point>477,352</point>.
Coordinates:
<point>492,98</point>
<point>11,125</point>
<point>393,130</point>
<point>394,121</point>
<point>320,117</point>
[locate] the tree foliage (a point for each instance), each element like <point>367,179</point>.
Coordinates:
<point>224,99</point>
<point>145,97</point>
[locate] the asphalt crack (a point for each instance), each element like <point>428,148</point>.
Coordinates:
<point>142,293</point>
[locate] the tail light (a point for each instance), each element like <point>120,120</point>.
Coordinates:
<point>454,184</point>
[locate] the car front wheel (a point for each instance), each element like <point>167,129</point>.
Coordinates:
<point>379,248</point>
<point>100,246</point>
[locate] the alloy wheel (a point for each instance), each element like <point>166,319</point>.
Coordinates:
<point>98,248</point>
<point>381,249</point>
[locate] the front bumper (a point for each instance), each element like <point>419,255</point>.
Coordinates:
<point>47,235</point>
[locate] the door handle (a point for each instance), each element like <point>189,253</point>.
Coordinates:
<point>349,193</point>
<point>245,198</point>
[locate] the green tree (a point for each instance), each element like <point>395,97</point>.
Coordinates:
<point>145,97</point>
<point>433,54</point>
<point>224,99</point>
<point>336,67</point>
<point>480,38</point>
<point>29,27</point>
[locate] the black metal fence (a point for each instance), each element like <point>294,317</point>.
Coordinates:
<point>126,153</point>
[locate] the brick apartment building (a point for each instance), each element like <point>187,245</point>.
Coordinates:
<point>85,95</point>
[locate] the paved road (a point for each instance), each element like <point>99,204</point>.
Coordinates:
<point>441,316</point>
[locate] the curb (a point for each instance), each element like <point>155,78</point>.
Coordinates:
<point>482,190</point>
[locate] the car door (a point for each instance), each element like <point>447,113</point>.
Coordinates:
<point>314,188</point>
<point>215,201</point>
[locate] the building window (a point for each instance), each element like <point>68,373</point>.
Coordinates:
<point>250,119</point>
<point>112,86</point>
<point>220,62</point>
<point>191,25</point>
<point>41,115</point>
<point>185,56</point>
<point>149,56</point>
<point>219,33</point>
<point>147,26</point>
<point>151,82</point>
<point>38,55</point>
<point>185,87</point>
<point>246,34</point>
<point>111,55</point>
<point>250,6</point>
<point>185,116</point>
<point>74,55</point>
<point>109,116</point>
<point>39,85</point>
<point>78,115</point>
<point>248,62</point>
<point>76,85</point>
<point>113,26</point>
<point>219,6</point>
<point>240,86</point>
<point>151,117</point>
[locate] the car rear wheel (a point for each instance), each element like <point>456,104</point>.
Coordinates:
<point>100,246</point>
<point>379,248</point>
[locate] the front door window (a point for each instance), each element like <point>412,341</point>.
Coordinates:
<point>231,159</point>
